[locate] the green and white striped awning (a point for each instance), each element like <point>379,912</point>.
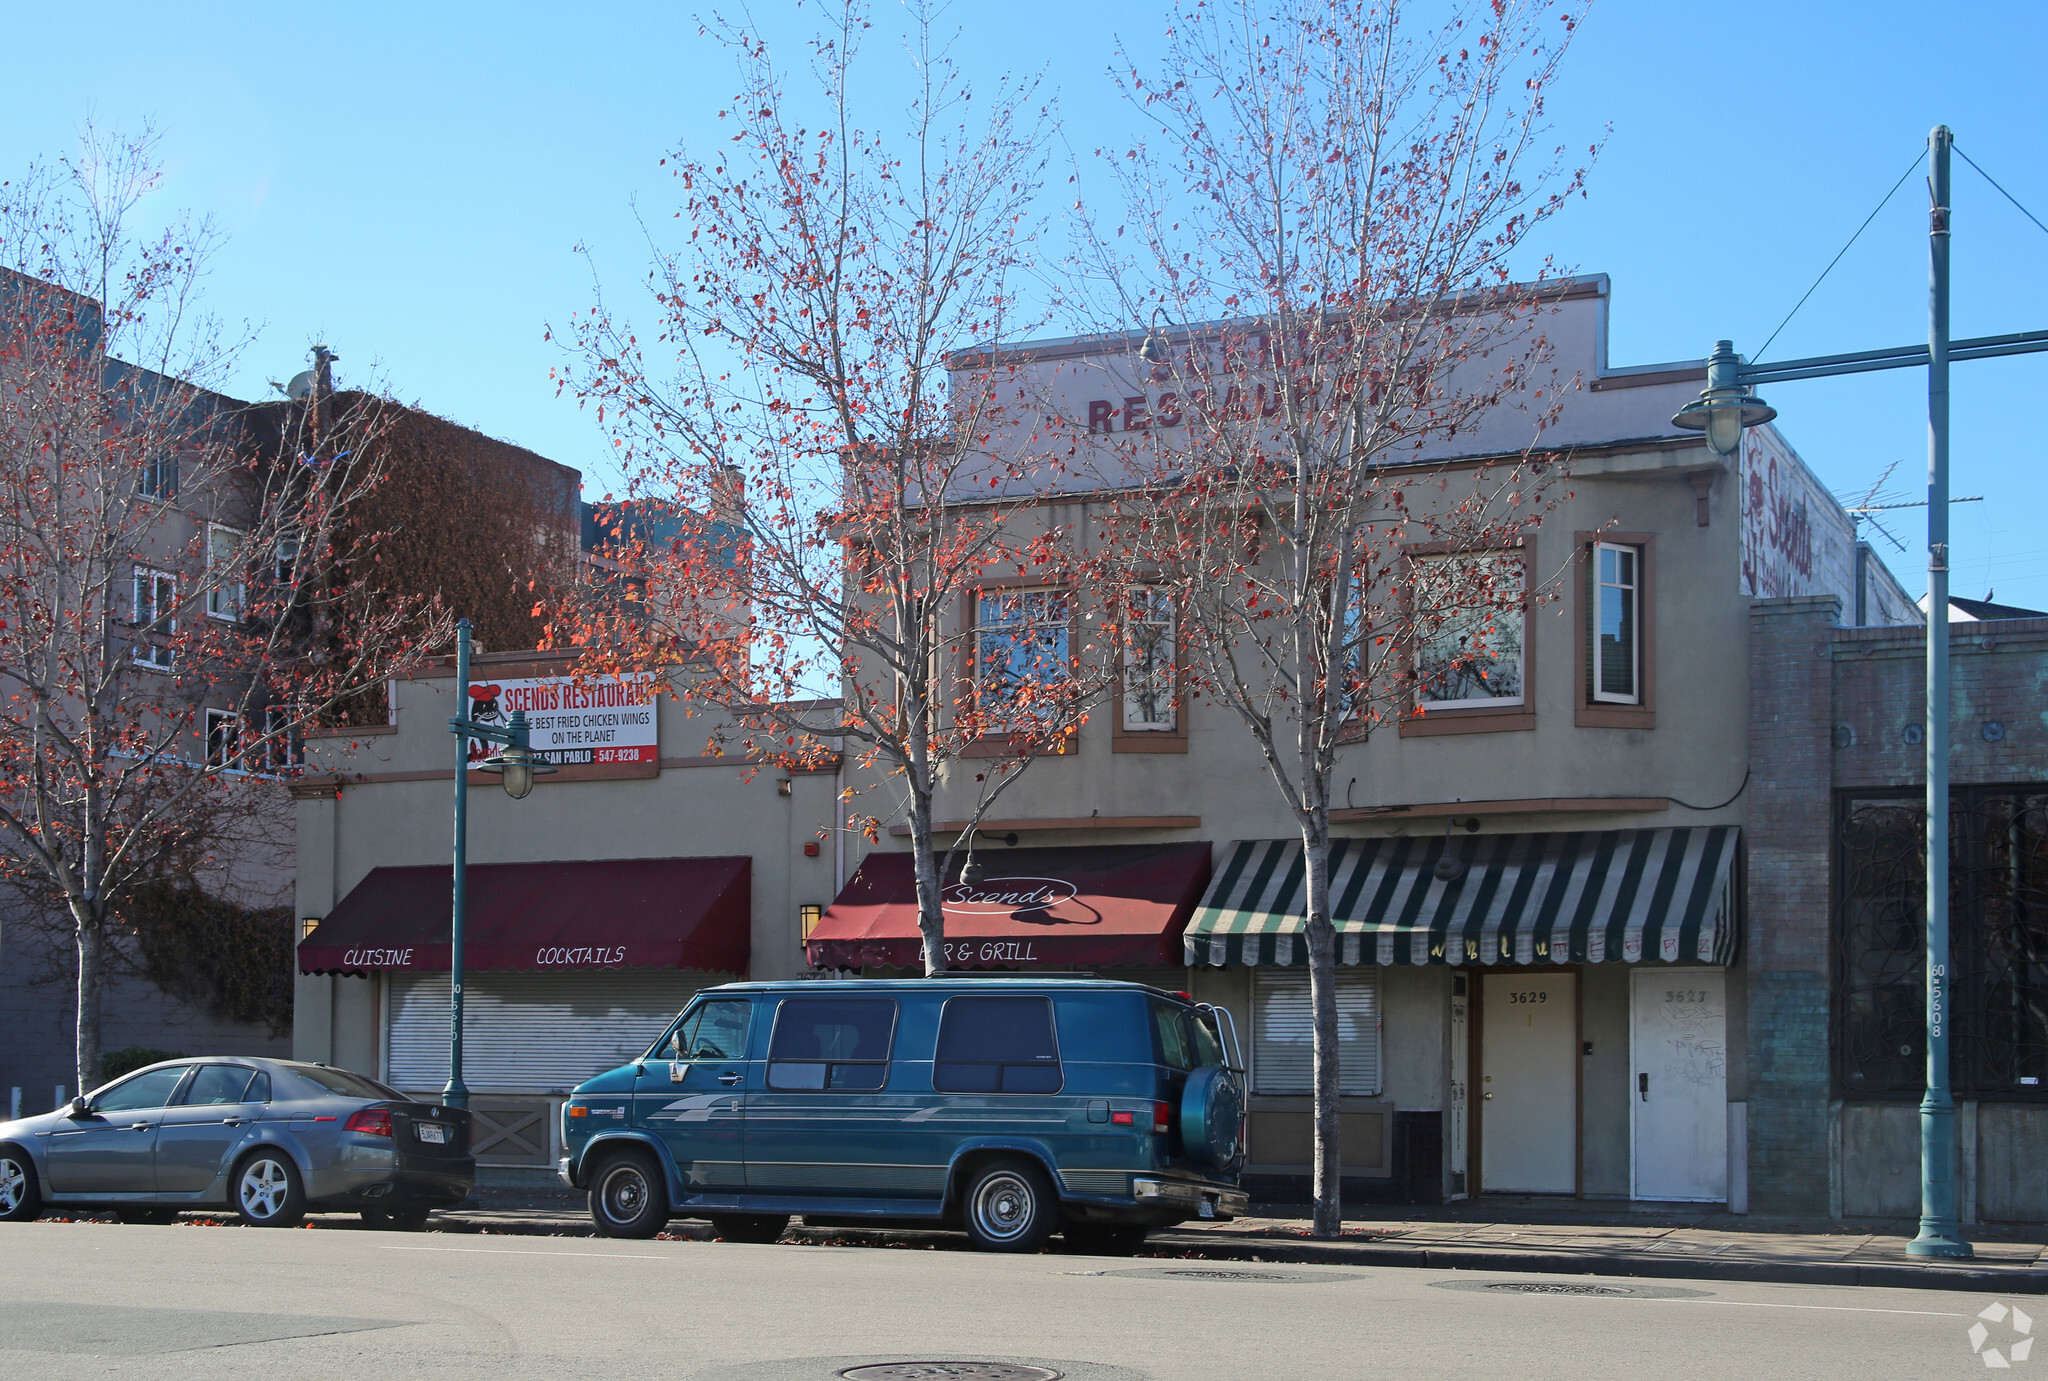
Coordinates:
<point>1580,897</point>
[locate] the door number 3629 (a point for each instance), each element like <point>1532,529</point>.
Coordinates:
<point>1529,997</point>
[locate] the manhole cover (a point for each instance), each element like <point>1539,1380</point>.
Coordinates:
<point>1229,1276</point>
<point>957,1371</point>
<point>1541,1287</point>
<point>1580,1288</point>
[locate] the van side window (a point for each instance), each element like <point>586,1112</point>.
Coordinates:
<point>1208,1044</point>
<point>1170,1037</point>
<point>831,1043</point>
<point>996,1045</point>
<point>711,1031</point>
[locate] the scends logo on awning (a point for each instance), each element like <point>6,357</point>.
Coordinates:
<point>1008,894</point>
<point>563,956</point>
<point>376,958</point>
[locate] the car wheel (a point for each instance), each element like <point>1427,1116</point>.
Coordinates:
<point>268,1193</point>
<point>396,1219</point>
<point>1104,1239</point>
<point>627,1198</point>
<point>750,1227</point>
<point>153,1217</point>
<point>21,1198</point>
<point>1009,1207</point>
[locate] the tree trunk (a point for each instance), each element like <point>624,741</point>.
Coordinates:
<point>1321,935</point>
<point>92,978</point>
<point>931,916</point>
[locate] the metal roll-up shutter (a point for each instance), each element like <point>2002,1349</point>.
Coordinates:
<point>527,1032</point>
<point>1283,1032</point>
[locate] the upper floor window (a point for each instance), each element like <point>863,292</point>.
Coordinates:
<point>1021,642</point>
<point>160,475</point>
<point>1149,664</point>
<point>156,597</point>
<point>1617,624</point>
<point>223,738</point>
<point>1469,648</point>
<point>283,750</point>
<point>225,595</point>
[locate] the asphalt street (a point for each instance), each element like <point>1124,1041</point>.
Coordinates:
<point>95,1299</point>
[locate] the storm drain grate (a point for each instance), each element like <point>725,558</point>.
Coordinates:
<point>1234,1277</point>
<point>951,1371</point>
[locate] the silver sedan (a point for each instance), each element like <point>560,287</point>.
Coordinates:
<point>269,1139</point>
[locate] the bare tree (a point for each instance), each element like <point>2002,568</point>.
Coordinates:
<point>170,610</point>
<point>821,541</point>
<point>1330,203</point>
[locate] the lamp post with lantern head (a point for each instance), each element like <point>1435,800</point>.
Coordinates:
<point>517,765</point>
<point>1723,411</point>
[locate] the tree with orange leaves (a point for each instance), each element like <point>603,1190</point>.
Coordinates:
<point>1325,224</point>
<point>817,537</point>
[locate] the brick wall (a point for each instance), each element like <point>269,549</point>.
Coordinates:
<point>1830,710</point>
<point>1791,726</point>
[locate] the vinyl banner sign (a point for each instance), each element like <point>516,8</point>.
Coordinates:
<point>596,722</point>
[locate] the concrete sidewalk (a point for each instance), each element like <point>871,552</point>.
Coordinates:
<point>1483,1235</point>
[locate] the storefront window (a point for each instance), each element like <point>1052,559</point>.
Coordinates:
<point>1998,944</point>
<point>1283,1032</point>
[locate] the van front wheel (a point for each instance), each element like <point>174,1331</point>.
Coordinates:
<point>1009,1207</point>
<point>627,1197</point>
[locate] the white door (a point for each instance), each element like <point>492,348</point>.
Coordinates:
<point>1461,1058</point>
<point>1678,1029</point>
<point>1529,1084</point>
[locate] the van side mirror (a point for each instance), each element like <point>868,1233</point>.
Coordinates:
<point>80,1107</point>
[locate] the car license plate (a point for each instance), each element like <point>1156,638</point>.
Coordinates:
<point>1207,1209</point>
<point>431,1131</point>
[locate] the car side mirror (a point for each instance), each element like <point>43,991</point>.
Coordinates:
<point>80,1107</point>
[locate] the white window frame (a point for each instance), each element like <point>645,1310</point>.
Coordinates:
<point>231,761</point>
<point>1503,619</point>
<point>225,600</point>
<point>1633,591</point>
<point>1151,606</point>
<point>1058,601</point>
<point>155,614</point>
<point>284,564</point>
<point>1282,1049</point>
<point>160,476</point>
<point>282,752</point>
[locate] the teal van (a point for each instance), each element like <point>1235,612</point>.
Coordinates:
<point>1010,1107</point>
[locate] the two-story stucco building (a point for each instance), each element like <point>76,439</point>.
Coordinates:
<point>1564,1012</point>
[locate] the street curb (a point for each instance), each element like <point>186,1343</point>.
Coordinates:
<point>2010,1280</point>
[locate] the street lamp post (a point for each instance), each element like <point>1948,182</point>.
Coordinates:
<point>519,765</point>
<point>1722,411</point>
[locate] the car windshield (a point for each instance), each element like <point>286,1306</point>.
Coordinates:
<point>345,1084</point>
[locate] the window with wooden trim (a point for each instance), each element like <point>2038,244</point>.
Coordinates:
<point>156,600</point>
<point>1616,618</point>
<point>1615,638</point>
<point>1469,644</point>
<point>226,594</point>
<point>1149,714</point>
<point>1020,646</point>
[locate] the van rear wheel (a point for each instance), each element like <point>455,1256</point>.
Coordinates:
<point>1009,1207</point>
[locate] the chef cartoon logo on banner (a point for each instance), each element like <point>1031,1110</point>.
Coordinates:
<point>597,723</point>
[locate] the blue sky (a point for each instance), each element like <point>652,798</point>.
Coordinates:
<point>408,183</point>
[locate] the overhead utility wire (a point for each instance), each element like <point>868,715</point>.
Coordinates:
<point>2001,191</point>
<point>1844,250</point>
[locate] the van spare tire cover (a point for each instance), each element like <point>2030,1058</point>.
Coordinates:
<point>1211,1114</point>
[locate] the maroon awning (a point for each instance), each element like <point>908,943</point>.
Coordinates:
<point>1110,906</point>
<point>666,913</point>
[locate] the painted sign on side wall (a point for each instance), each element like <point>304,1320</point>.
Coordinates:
<point>599,723</point>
